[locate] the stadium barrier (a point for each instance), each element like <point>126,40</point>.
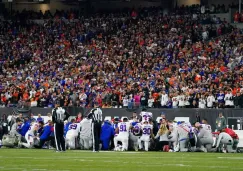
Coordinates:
<point>235,115</point>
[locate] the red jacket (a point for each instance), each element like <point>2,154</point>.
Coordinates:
<point>231,133</point>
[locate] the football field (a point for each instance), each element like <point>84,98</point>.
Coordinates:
<point>48,160</point>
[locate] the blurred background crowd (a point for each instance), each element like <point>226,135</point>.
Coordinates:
<point>130,58</point>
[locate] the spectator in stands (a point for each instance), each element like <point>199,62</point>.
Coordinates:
<point>150,102</point>
<point>237,100</point>
<point>101,59</point>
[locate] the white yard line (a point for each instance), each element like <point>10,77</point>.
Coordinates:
<point>231,158</point>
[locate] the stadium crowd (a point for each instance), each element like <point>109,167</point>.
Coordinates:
<point>142,58</point>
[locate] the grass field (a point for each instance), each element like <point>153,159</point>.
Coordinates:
<point>48,160</point>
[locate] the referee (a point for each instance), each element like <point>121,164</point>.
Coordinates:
<point>96,116</point>
<point>59,115</point>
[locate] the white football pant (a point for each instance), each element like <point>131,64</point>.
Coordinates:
<point>146,140</point>
<point>86,143</point>
<point>124,141</point>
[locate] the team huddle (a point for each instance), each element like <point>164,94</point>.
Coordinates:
<point>171,136</point>
<point>135,133</point>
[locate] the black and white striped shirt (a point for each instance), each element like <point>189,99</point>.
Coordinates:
<point>59,115</point>
<point>96,115</point>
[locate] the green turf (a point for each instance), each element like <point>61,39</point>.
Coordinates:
<point>43,160</point>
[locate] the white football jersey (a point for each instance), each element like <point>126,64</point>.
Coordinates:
<point>73,129</point>
<point>146,116</point>
<point>33,127</point>
<point>207,127</point>
<point>124,128</point>
<point>147,129</point>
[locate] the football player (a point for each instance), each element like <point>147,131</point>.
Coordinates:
<point>134,135</point>
<point>31,133</point>
<point>183,130</point>
<point>147,133</point>
<point>72,134</point>
<point>225,143</point>
<point>205,136</point>
<point>123,134</point>
<point>145,115</point>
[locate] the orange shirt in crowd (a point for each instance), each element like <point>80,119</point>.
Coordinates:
<point>3,99</point>
<point>223,69</point>
<point>46,84</point>
<point>155,96</point>
<point>15,94</point>
<point>25,96</point>
<point>172,81</point>
<point>235,90</point>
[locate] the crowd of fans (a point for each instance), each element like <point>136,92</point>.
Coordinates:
<point>141,58</point>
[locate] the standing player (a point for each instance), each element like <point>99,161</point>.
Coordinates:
<point>59,115</point>
<point>96,117</point>
<point>123,129</point>
<point>31,133</point>
<point>147,130</point>
<point>72,134</point>
<point>145,115</point>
